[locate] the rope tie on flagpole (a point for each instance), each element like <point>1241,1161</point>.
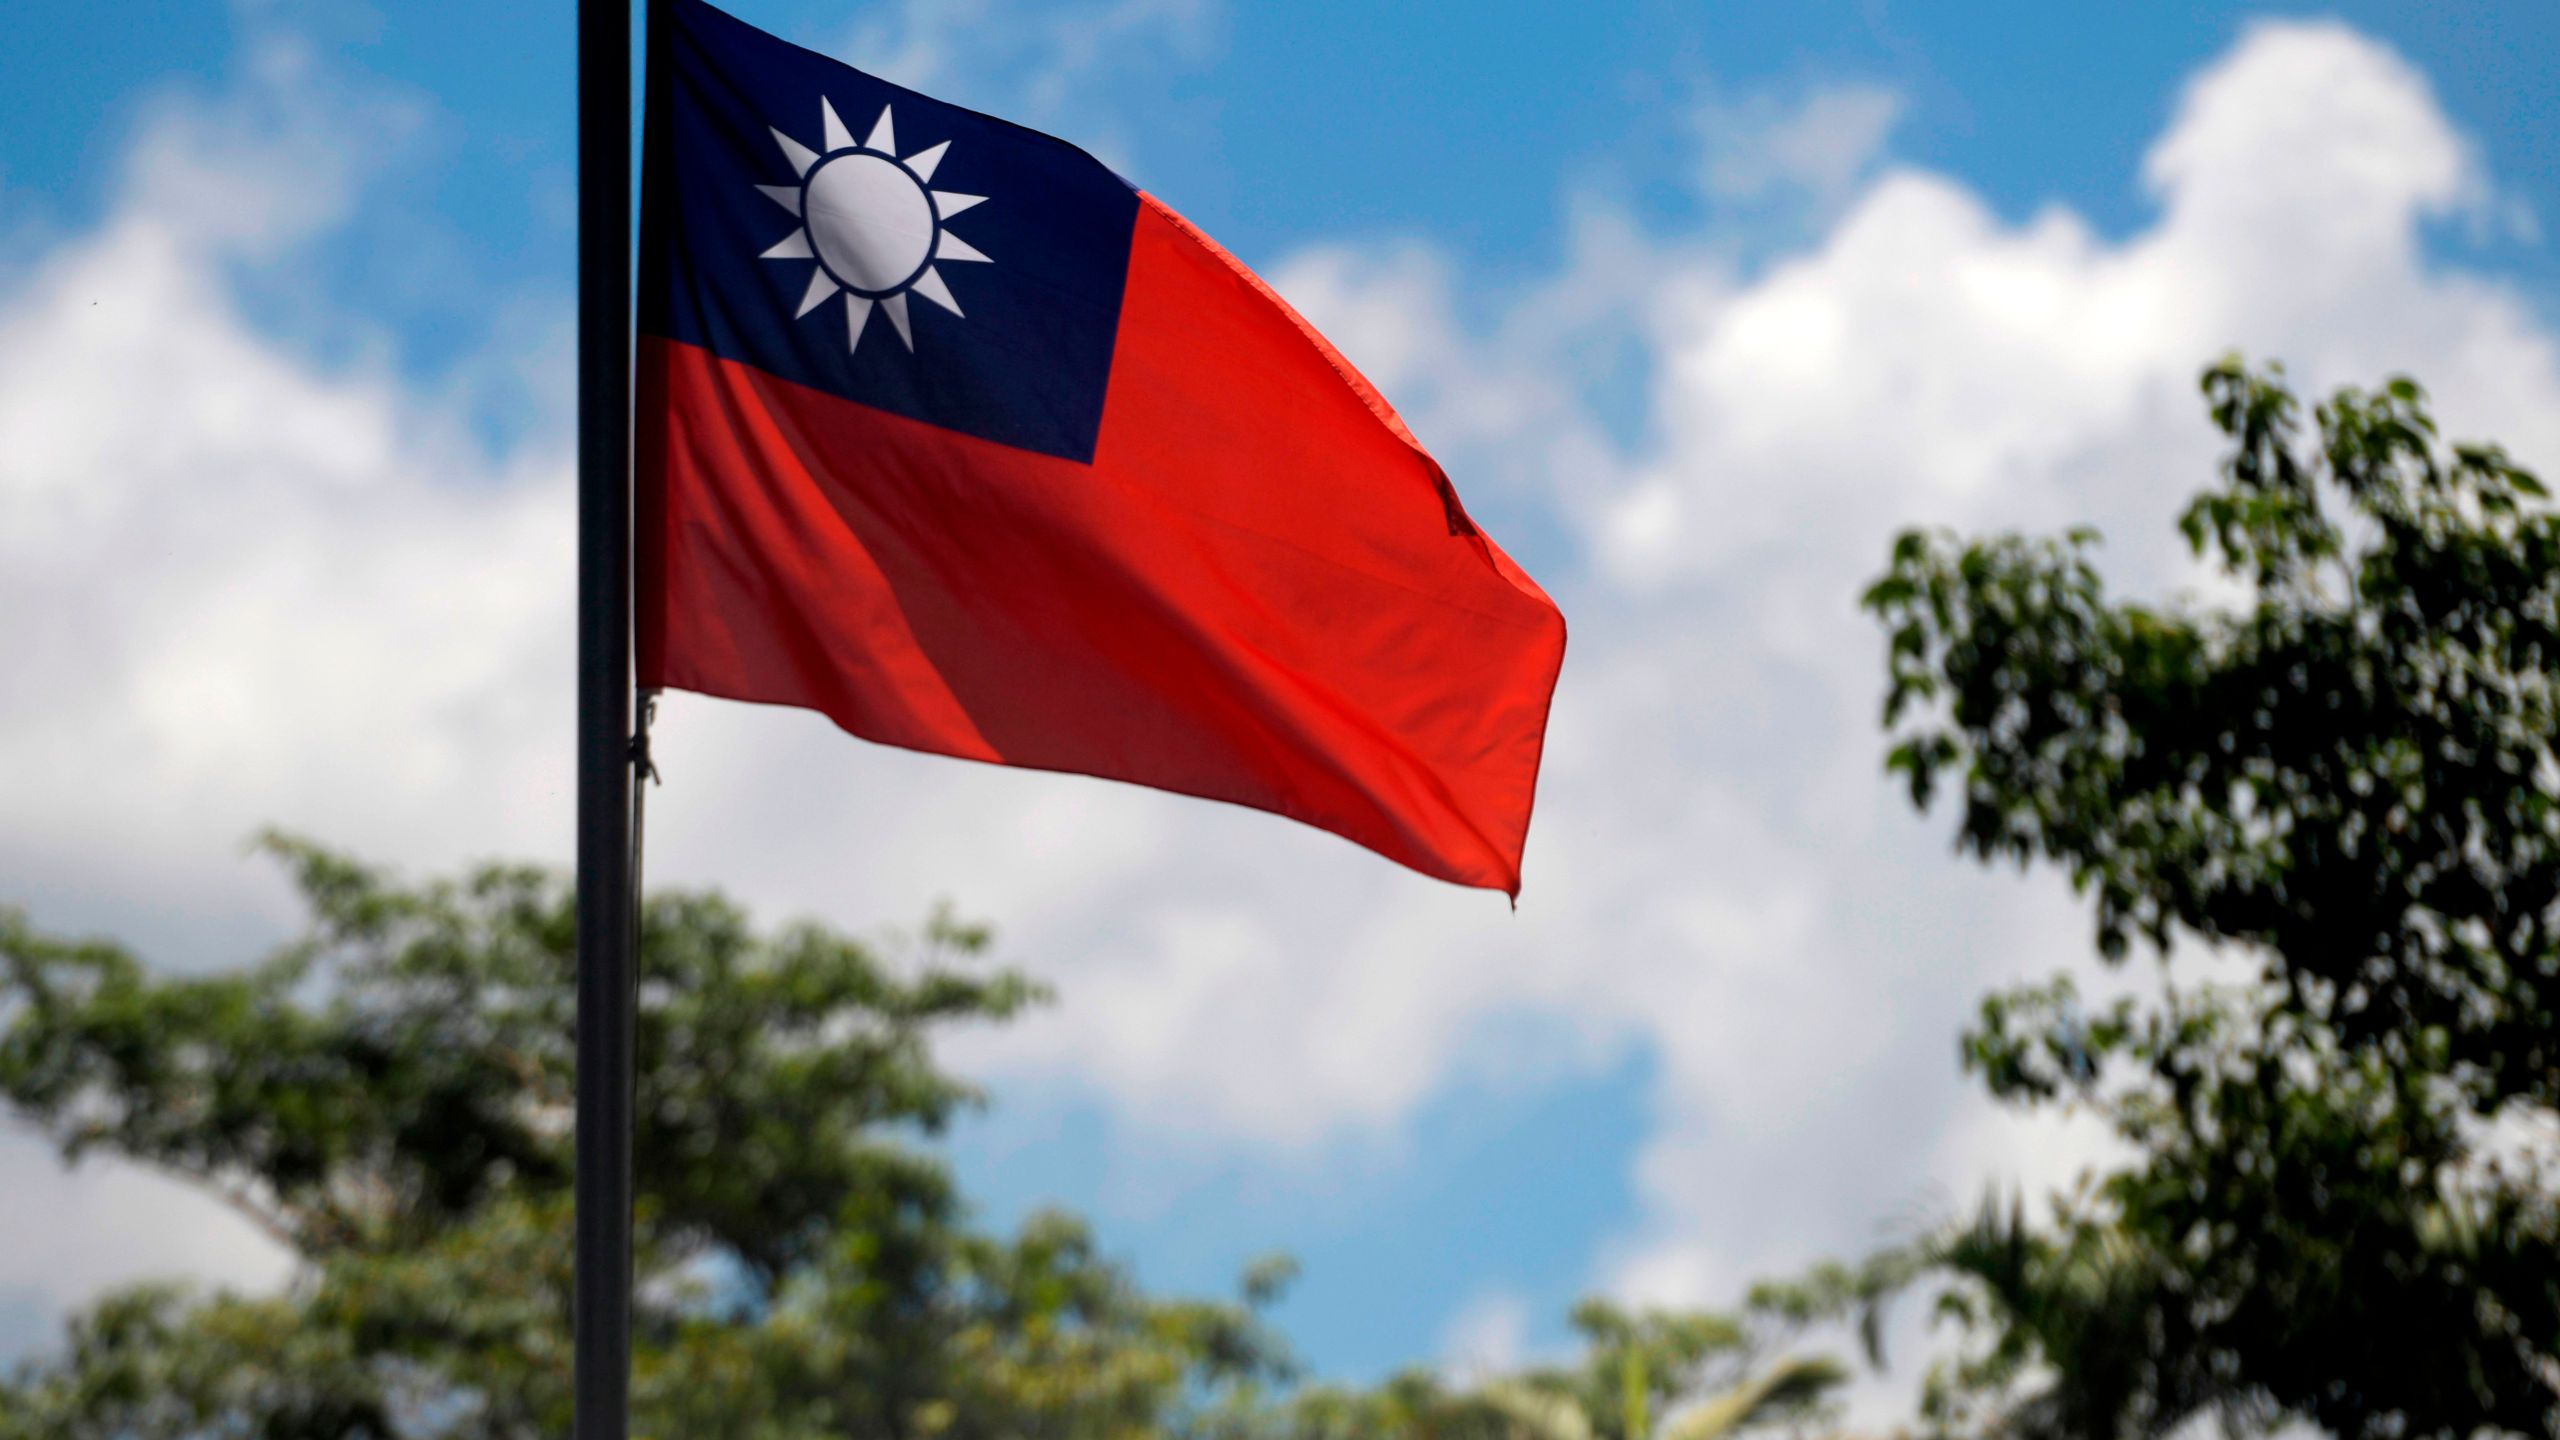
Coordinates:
<point>644,764</point>
<point>644,773</point>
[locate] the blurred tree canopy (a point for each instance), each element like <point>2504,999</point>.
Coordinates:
<point>389,1098</point>
<point>1641,1375</point>
<point>2340,779</point>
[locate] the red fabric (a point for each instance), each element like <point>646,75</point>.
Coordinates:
<point>1260,591</point>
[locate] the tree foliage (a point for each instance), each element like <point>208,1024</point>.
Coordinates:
<point>389,1097</point>
<point>2343,783</point>
<point>1640,1375</point>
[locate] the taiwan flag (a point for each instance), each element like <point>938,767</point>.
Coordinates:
<point>949,433</point>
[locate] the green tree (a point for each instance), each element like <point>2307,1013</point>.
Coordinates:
<point>389,1098</point>
<point>1641,1375</point>
<point>2343,784</point>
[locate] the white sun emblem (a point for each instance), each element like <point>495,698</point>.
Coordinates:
<point>869,220</point>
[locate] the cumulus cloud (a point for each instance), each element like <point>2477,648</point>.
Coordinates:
<point>243,587</point>
<point>1747,901</point>
<point>1040,65</point>
<point>1814,148</point>
<point>277,590</point>
<point>258,584</point>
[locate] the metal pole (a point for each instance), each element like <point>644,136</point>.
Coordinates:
<point>601,1305</point>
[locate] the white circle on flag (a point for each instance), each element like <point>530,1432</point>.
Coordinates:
<point>870,221</point>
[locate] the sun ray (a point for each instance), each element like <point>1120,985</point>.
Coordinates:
<point>924,162</point>
<point>838,137</point>
<point>821,285</point>
<point>896,308</point>
<point>794,246</point>
<point>948,203</point>
<point>952,247</point>
<point>884,136</point>
<point>800,156</point>
<point>930,286</point>
<point>788,196</point>
<point>857,310</point>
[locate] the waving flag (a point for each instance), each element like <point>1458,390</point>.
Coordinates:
<point>947,432</point>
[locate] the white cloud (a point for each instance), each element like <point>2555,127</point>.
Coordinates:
<point>1720,874</point>
<point>1488,1337</point>
<point>1925,361</point>
<point>258,586</point>
<point>274,159</point>
<point>243,587</point>
<point>103,1225</point>
<point>1815,148</point>
<point>1041,66</point>
<point>276,591</point>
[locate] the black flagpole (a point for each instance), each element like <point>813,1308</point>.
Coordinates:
<point>601,1306</point>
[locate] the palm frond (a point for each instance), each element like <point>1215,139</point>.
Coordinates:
<point>1787,1386</point>
<point>1535,1413</point>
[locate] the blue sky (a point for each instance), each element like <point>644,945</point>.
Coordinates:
<point>1563,238</point>
<point>1279,125</point>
